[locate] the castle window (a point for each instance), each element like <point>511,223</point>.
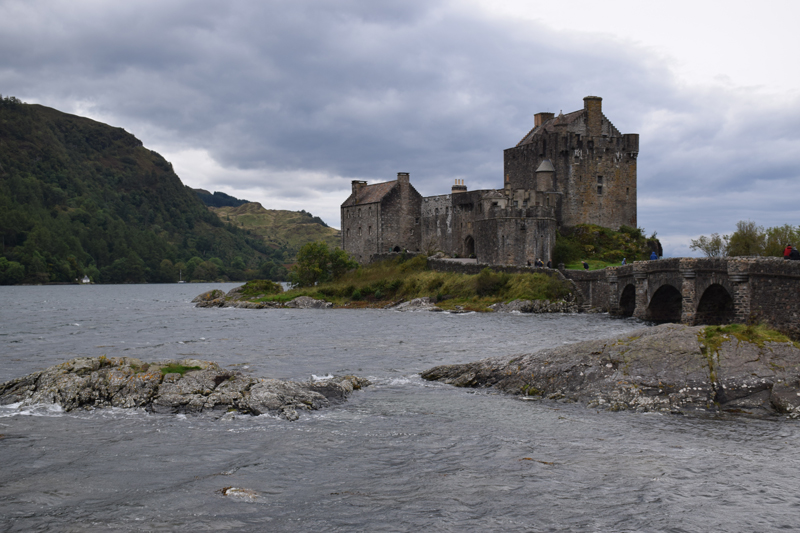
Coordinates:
<point>369,231</point>
<point>599,189</point>
<point>516,203</point>
<point>524,203</point>
<point>599,180</point>
<point>547,201</point>
<point>627,190</point>
<point>494,204</point>
<point>416,221</point>
<point>359,213</point>
<point>347,233</point>
<point>359,232</point>
<point>436,211</point>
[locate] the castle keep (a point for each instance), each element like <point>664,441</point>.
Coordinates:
<point>569,169</point>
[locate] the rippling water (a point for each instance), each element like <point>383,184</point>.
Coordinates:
<point>399,456</point>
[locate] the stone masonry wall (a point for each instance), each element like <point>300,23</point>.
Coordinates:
<point>360,229</point>
<point>400,219</point>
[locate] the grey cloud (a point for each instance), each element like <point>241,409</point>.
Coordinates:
<point>363,89</point>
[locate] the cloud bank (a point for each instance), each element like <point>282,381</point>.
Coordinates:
<point>285,102</point>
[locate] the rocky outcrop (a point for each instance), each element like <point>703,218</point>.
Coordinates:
<point>536,306</point>
<point>307,302</point>
<point>663,368</point>
<point>417,304</point>
<point>176,386</point>
<point>234,298</point>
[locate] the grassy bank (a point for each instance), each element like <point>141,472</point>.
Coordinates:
<point>399,279</point>
<point>712,337</point>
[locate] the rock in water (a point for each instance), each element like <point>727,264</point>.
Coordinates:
<point>663,368</point>
<point>175,386</point>
<point>307,302</point>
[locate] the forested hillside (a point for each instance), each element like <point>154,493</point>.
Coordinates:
<point>81,197</point>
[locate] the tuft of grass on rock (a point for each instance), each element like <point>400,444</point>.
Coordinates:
<point>712,337</point>
<point>177,369</point>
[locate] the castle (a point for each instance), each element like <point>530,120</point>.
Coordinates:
<point>569,169</point>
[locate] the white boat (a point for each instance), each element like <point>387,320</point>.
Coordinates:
<point>86,279</point>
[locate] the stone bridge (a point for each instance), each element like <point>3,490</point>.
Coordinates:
<point>698,291</point>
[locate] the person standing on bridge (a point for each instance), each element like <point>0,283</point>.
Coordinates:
<point>794,255</point>
<point>787,252</point>
<point>653,256</point>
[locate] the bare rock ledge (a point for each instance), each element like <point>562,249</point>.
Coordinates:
<point>96,382</point>
<point>663,368</point>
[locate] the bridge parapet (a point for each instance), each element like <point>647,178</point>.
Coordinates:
<point>698,290</point>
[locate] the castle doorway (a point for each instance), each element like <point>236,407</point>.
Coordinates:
<point>396,249</point>
<point>469,246</point>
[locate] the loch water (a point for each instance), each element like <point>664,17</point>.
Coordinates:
<point>401,455</point>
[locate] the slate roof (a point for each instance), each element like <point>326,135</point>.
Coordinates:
<point>575,122</point>
<point>370,194</point>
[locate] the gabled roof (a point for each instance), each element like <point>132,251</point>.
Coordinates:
<point>575,122</point>
<point>370,194</point>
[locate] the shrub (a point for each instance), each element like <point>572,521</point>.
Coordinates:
<point>417,264</point>
<point>260,286</point>
<point>489,282</point>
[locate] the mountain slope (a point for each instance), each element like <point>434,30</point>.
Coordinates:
<point>286,231</point>
<point>81,197</point>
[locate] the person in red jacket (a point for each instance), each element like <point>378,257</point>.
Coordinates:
<point>787,251</point>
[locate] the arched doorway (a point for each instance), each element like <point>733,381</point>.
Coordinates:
<point>469,246</point>
<point>396,249</point>
<point>627,302</point>
<point>665,305</point>
<point>715,307</point>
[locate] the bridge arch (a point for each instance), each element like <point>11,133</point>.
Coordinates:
<point>665,305</point>
<point>627,300</point>
<point>715,307</point>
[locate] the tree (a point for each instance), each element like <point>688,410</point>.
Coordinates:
<point>713,246</point>
<point>316,263</point>
<point>748,239</point>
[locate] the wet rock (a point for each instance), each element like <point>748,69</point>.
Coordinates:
<point>194,387</point>
<point>307,302</point>
<point>418,304</point>
<point>663,368</point>
<point>536,306</point>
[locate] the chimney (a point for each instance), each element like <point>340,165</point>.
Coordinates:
<point>357,185</point>
<point>593,108</point>
<point>402,178</point>
<point>541,118</point>
<point>458,187</point>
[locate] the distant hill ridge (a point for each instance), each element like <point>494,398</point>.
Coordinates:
<point>281,230</point>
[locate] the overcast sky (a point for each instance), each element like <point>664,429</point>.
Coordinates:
<point>285,102</point>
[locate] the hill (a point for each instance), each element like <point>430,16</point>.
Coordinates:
<point>285,231</point>
<point>81,197</point>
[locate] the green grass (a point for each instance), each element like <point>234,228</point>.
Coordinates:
<point>177,369</point>
<point>712,337</point>
<point>389,281</point>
